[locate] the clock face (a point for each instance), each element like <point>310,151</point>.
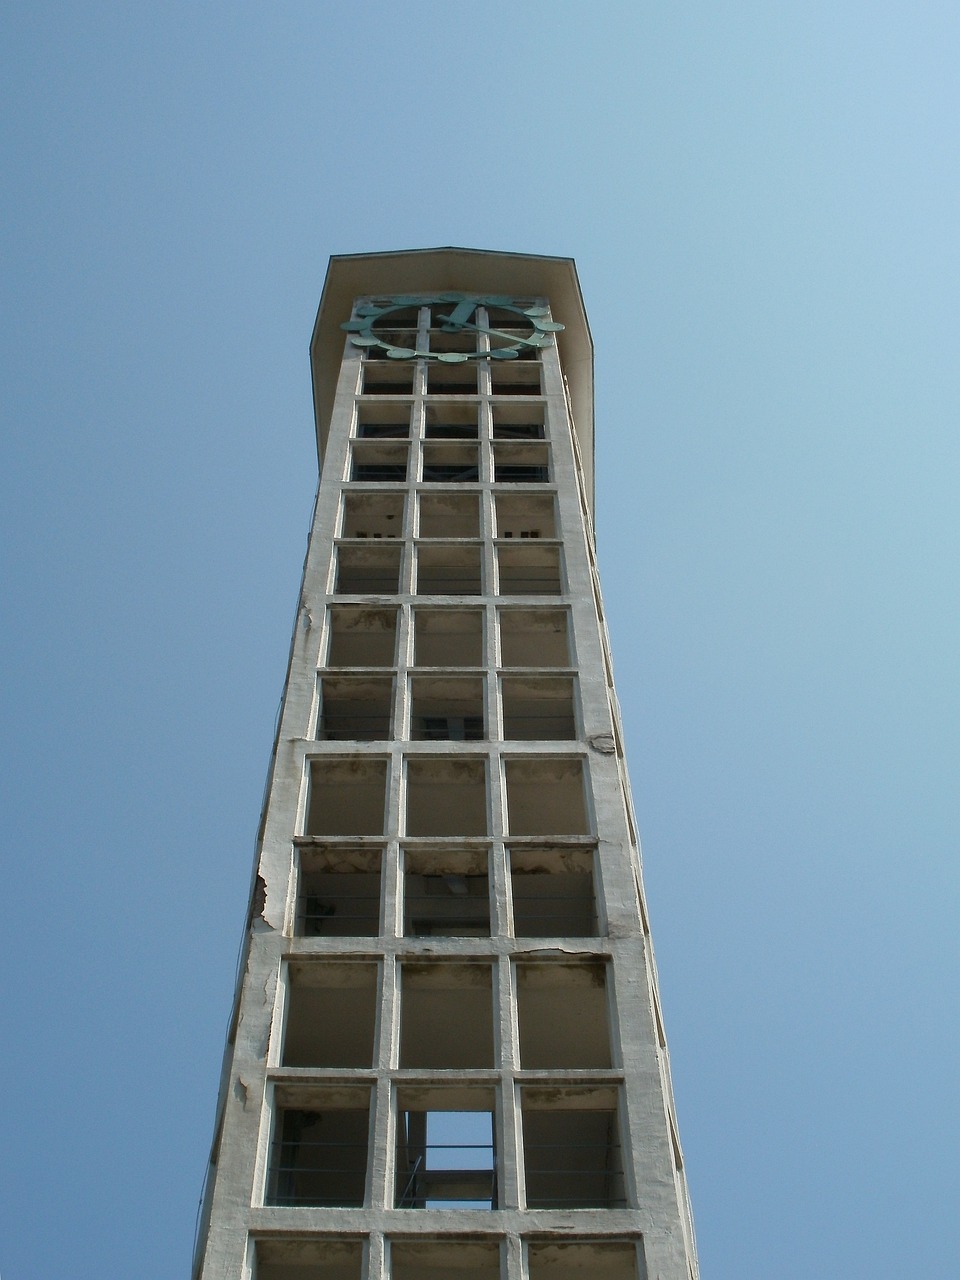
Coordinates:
<point>520,327</point>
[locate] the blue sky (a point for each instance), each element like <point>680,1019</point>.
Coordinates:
<point>762,200</point>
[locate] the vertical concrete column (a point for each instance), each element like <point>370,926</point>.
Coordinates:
<point>665,1255</point>
<point>405,658</point>
<point>245,1119</point>
<point>513,1259</point>
<point>509,1157</point>
<point>501,918</point>
<point>498,793</point>
<point>489,553</point>
<point>484,381</point>
<point>655,1182</point>
<point>374,1265</point>
<point>388,1048</point>
<point>485,429</point>
<point>417,428</point>
<point>381,1148</point>
<point>382,1156</point>
<point>396,793</point>
<point>494,719</point>
<point>614,847</point>
<point>393,889</point>
<point>408,561</point>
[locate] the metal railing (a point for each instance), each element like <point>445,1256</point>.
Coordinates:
<point>383,431</point>
<point>436,473</point>
<point>559,726</point>
<point>319,915</point>
<point>351,583</point>
<point>431,583</point>
<point>518,430</point>
<point>577,917</point>
<point>440,387</point>
<point>367,471</point>
<point>504,387</point>
<point>506,474</point>
<point>471,1185</point>
<point>292,1181</point>
<point>600,1176</point>
<point>448,728</point>
<point>353,726</point>
<point>529,584</point>
<point>451,431</point>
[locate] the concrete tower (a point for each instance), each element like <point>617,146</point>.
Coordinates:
<point>446,1059</point>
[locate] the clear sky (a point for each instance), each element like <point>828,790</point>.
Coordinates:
<point>762,199</point>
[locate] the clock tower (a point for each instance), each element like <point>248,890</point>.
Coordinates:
<point>446,1059</point>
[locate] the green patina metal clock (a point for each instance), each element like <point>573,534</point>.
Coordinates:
<point>372,327</point>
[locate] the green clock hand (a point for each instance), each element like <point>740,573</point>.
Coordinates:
<point>460,316</point>
<point>452,324</point>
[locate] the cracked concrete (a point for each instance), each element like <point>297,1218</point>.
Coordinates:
<point>463,997</point>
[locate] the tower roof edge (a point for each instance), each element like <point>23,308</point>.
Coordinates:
<point>484,271</point>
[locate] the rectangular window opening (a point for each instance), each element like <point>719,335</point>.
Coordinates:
<point>446,710</point>
<point>461,343</point>
<point>453,421</point>
<point>449,570</point>
<point>452,379</point>
<point>448,637</point>
<point>368,570</point>
<point>318,1156</point>
<point>347,796</point>
<point>373,462</point>
<point>446,895</point>
<point>449,515</point>
<point>571,1152</point>
<point>582,1260</point>
<point>389,377</point>
<point>534,638</point>
<point>355,709</point>
<point>446,796</point>
<point>450,464</point>
<point>332,1259</point>
<point>446,1259</point>
<point>446,1158</point>
<point>446,1016</point>
<point>518,422</point>
<point>372,515</point>
<point>526,515</point>
<point>515,377</point>
<point>331,1014</point>
<point>545,796</point>
<point>382,421</point>
<point>553,893</point>
<point>339,893</point>
<point>521,463</point>
<point>361,637</point>
<point>538,708</point>
<point>529,570</point>
<point>562,1010</point>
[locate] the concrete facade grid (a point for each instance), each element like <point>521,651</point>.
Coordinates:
<point>256,1082</point>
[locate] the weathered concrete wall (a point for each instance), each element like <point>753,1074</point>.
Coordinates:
<point>634,1074</point>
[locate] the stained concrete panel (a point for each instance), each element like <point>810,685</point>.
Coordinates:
<point>331,1015</point>
<point>563,1016</point>
<point>444,1260</point>
<point>446,1016</point>
<point>582,1260</point>
<point>545,797</point>
<point>309,1259</point>
<point>347,797</point>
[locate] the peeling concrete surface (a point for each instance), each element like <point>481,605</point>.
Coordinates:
<point>631,1082</point>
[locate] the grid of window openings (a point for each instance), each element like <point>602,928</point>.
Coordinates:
<point>446,833</point>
